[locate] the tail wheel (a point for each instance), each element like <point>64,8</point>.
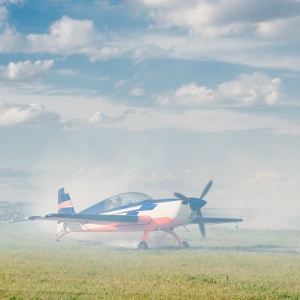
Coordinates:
<point>185,245</point>
<point>143,246</point>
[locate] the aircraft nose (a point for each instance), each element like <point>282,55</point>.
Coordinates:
<point>201,203</point>
<point>196,203</point>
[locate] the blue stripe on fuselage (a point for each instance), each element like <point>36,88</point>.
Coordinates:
<point>149,206</point>
<point>144,205</point>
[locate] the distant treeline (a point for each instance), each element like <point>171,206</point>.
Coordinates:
<point>13,211</point>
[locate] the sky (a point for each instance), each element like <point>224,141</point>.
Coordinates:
<point>155,96</point>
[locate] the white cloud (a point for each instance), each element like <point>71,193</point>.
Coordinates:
<point>144,51</point>
<point>105,112</point>
<point>207,120</point>
<point>3,15</point>
<point>247,89</point>
<point>72,33</point>
<point>11,41</point>
<point>251,89</point>
<point>242,50</point>
<point>98,118</point>
<point>120,83</point>
<point>189,95</point>
<point>67,36</point>
<point>192,93</point>
<point>137,92</point>
<point>204,20</point>
<point>5,2</point>
<point>199,18</point>
<point>213,19</point>
<point>279,28</point>
<point>4,10</point>
<point>26,70</point>
<point>33,114</point>
<point>104,53</point>
<point>68,72</point>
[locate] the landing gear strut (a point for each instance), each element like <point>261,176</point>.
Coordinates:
<point>144,246</point>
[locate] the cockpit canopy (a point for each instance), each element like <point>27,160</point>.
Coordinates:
<point>116,201</point>
<point>125,199</point>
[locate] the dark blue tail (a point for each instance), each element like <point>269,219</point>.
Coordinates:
<point>65,205</point>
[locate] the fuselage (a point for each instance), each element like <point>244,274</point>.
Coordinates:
<point>153,215</point>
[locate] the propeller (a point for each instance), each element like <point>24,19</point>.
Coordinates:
<point>196,204</point>
<point>201,223</point>
<point>207,188</point>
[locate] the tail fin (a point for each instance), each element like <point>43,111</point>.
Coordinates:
<point>65,205</point>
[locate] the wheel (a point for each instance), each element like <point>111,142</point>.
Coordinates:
<point>143,246</point>
<point>185,245</point>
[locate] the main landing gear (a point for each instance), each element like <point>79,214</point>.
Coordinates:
<point>143,245</point>
<point>185,245</point>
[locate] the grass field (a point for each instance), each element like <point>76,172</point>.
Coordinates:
<point>229,264</point>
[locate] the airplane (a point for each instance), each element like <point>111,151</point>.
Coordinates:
<point>131,212</point>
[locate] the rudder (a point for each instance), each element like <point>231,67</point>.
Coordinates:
<point>65,205</point>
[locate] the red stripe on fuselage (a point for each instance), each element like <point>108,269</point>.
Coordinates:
<point>165,222</point>
<point>146,223</point>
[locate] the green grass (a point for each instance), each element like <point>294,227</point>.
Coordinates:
<point>230,264</point>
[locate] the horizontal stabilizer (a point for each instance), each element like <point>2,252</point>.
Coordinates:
<point>217,220</point>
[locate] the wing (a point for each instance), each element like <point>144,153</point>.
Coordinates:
<point>210,221</point>
<point>94,219</point>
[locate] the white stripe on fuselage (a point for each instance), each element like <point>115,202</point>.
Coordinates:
<point>174,210</point>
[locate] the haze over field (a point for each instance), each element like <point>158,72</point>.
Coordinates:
<point>150,96</point>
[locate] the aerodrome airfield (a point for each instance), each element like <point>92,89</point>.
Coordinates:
<point>258,260</point>
<point>158,97</point>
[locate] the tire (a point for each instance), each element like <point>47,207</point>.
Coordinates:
<point>185,245</point>
<point>143,246</point>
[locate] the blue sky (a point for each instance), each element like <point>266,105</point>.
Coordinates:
<point>104,97</point>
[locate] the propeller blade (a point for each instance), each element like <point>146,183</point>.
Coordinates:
<point>207,188</point>
<point>182,197</point>
<point>201,223</point>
